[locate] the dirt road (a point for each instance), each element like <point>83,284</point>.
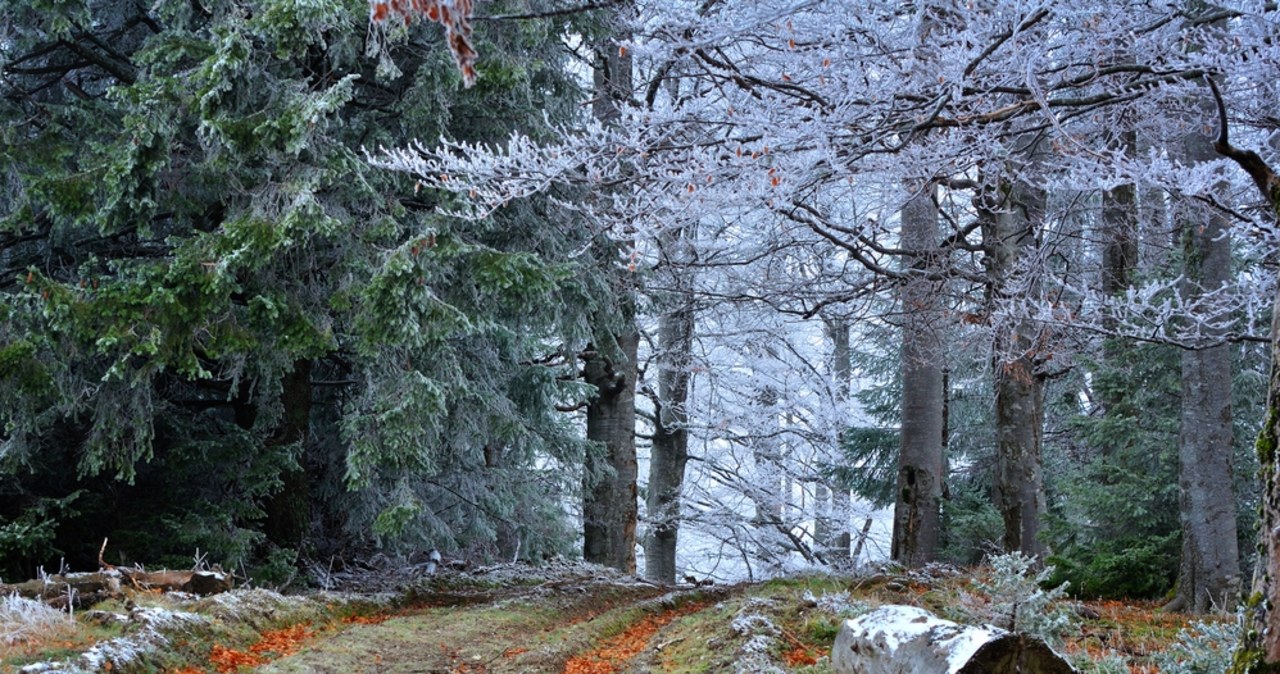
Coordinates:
<point>574,626</point>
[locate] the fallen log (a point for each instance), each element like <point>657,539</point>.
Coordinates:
<point>910,640</point>
<point>73,589</point>
<point>80,590</point>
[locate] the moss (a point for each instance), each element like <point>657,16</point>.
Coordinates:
<point>821,629</point>
<point>1248,656</point>
<point>1246,661</point>
<point>1266,444</point>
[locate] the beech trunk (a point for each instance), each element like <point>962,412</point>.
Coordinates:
<point>837,507</point>
<point>1259,650</point>
<point>610,508</point>
<point>670,450</point>
<point>1209,575</point>
<point>917,508</point>
<point>1009,234</point>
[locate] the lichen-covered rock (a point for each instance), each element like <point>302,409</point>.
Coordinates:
<point>909,640</point>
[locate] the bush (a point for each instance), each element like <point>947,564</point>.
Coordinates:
<point>971,525</point>
<point>1122,567</point>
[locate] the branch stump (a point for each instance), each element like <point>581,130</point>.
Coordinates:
<point>910,640</point>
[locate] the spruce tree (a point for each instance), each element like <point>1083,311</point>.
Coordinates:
<point>218,313</point>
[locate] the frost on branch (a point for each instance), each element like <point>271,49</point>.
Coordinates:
<point>454,15</point>
<point>488,177</point>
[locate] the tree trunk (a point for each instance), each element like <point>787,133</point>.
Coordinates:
<point>1019,481</point>
<point>769,491</point>
<point>1008,232</point>
<point>910,640</point>
<point>1262,647</point>
<point>506,533</point>
<point>1119,258</point>
<point>835,536</point>
<point>1259,650</point>
<point>1209,576</point>
<point>670,450</point>
<point>916,514</point>
<point>1120,233</point>
<point>609,510</point>
<point>289,510</point>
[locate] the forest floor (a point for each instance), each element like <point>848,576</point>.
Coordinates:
<point>566,618</point>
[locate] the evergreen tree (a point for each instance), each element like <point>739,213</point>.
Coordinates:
<point>217,313</point>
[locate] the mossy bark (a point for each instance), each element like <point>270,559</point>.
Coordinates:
<point>1259,650</point>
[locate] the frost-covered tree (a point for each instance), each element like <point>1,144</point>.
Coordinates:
<point>798,126</point>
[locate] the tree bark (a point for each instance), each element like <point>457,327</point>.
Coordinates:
<point>289,509</point>
<point>1120,231</point>
<point>835,535</point>
<point>1209,576</point>
<point>910,640</point>
<point>770,490</point>
<point>670,450</point>
<point>1259,650</point>
<point>917,509</point>
<point>610,508</point>
<point>1119,257</point>
<point>506,533</point>
<point>1009,231</point>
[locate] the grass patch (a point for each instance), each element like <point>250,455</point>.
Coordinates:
<point>30,632</point>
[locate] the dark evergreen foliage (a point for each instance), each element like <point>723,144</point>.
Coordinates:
<point>188,222</point>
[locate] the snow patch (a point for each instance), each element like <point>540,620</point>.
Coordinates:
<point>149,637</point>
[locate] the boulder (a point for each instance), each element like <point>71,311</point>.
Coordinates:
<point>910,640</point>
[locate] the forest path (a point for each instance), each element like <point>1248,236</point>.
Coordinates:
<point>569,626</point>
<point>559,618</point>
